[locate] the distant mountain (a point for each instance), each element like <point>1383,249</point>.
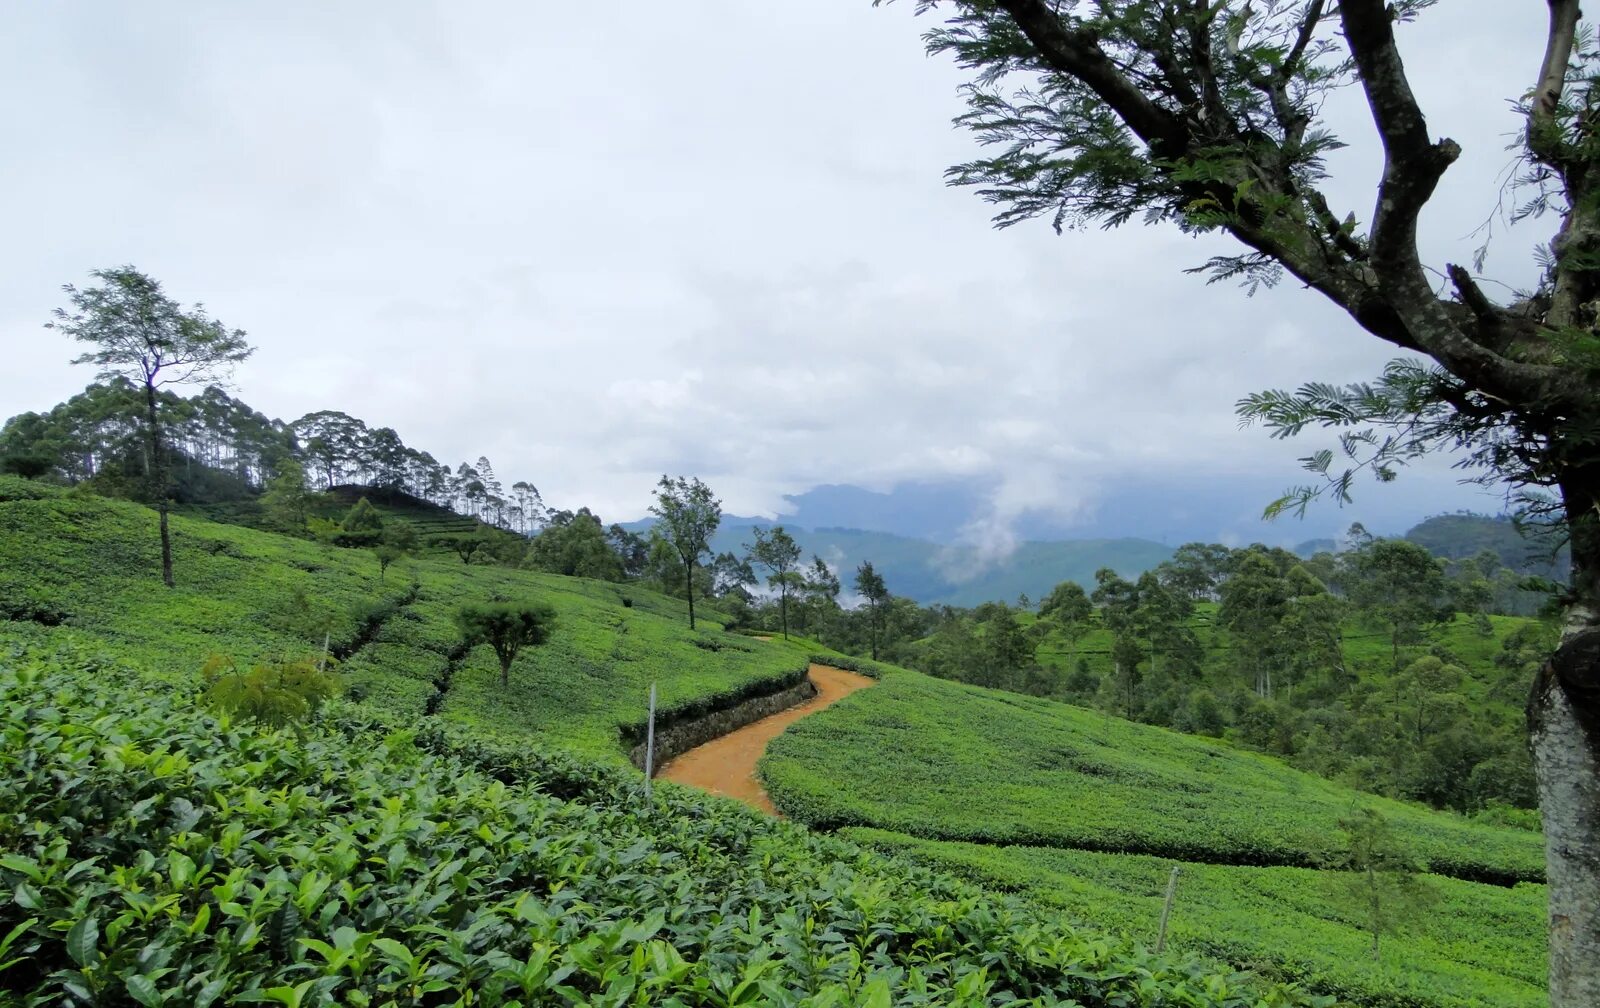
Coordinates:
<point>1167,507</point>
<point>934,573</point>
<point>1458,536</point>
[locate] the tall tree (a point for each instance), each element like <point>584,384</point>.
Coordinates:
<point>869,584</point>
<point>141,334</point>
<point>776,550</point>
<point>1208,116</point>
<point>820,592</point>
<point>1381,879</point>
<point>287,503</point>
<point>689,515</point>
<point>1068,608</point>
<point>1399,586</point>
<point>333,440</point>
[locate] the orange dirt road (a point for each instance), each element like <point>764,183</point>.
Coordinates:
<point>727,765</point>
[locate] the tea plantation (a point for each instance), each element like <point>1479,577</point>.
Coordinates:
<point>79,567</point>
<point>947,761</point>
<point>435,839</point>
<point>156,855</point>
<point>1477,945</point>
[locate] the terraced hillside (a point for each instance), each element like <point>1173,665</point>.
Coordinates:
<point>1087,813</point>
<point>77,567</point>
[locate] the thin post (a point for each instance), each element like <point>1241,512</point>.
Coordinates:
<point>1166,908</point>
<point>650,743</point>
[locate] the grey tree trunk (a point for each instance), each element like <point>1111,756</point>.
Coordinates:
<point>1565,736</point>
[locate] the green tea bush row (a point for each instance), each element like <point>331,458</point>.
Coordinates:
<point>943,760</point>
<point>1478,947</point>
<point>155,855</point>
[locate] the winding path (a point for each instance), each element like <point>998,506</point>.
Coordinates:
<point>727,765</point>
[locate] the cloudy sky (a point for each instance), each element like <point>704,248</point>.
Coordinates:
<point>602,241</point>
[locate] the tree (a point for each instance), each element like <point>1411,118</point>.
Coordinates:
<point>398,539</point>
<point>362,525</point>
<point>1255,600</point>
<point>820,590</point>
<point>333,440</point>
<point>869,584</point>
<point>1068,608</point>
<point>287,502</point>
<point>507,627</point>
<point>465,546</point>
<point>1381,879</point>
<point>1399,586</point>
<point>1195,569</point>
<point>731,577</point>
<point>777,551</point>
<point>143,335</point>
<point>1207,116</point>
<point>574,545</point>
<point>689,515</point>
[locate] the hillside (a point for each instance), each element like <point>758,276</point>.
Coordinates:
<point>78,567</point>
<point>1036,786</point>
<point>381,856</point>
<point>1080,811</point>
<point>1459,536</point>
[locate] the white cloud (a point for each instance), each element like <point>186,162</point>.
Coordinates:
<point>708,238</point>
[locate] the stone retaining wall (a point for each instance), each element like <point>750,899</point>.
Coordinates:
<point>676,739</point>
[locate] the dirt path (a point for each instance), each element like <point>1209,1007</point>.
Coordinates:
<point>727,765</point>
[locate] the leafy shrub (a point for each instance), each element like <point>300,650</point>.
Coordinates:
<point>276,693</point>
<point>194,863</point>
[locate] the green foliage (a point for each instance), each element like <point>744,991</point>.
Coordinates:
<point>574,545</point>
<point>278,693</point>
<point>77,567</point>
<point>286,502</point>
<point>1380,877</point>
<point>777,551</point>
<point>688,515</point>
<point>362,526</point>
<point>507,627</point>
<point>196,864</point>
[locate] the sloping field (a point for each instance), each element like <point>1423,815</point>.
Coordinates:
<point>1477,945</point>
<point>85,568</point>
<point>155,855</point>
<point>942,760</point>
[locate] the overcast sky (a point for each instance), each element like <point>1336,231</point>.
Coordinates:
<point>597,242</point>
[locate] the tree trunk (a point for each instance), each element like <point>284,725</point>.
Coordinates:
<point>1564,732</point>
<point>158,480</point>
<point>783,611</point>
<point>688,587</point>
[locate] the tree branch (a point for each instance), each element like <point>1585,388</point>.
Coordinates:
<point>1413,163</point>
<point>1077,54</point>
<point>1564,16</point>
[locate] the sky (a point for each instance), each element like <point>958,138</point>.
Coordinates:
<point>600,242</point>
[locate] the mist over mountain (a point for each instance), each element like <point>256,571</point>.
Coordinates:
<point>1169,509</point>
